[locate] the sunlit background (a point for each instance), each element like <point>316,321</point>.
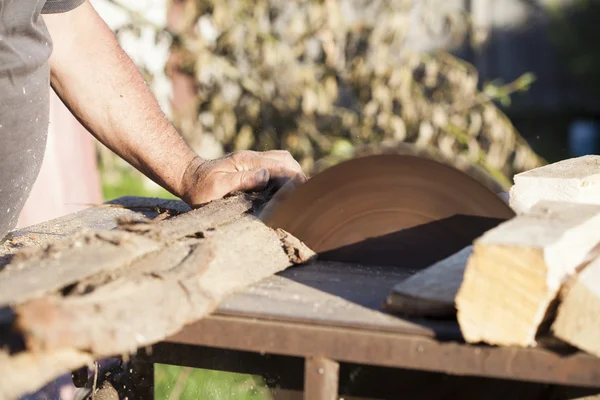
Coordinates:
<point>506,84</point>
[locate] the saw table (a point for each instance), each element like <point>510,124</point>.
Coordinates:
<point>320,328</point>
<point>327,317</point>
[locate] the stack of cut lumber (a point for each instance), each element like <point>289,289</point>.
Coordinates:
<point>535,275</point>
<point>128,284</point>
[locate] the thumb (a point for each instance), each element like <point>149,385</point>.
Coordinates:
<point>254,179</point>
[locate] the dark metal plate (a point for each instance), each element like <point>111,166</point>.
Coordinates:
<point>389,210</point>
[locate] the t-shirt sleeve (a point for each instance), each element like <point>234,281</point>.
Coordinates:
<point>60,6</point>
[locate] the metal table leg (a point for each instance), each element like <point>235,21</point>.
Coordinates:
<point>321,377</point>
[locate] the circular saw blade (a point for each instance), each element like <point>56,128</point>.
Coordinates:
<point>389,210</point>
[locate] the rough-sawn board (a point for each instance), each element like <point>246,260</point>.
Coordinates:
<point>104,293</point>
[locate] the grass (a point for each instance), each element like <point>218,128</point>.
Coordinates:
<point>174,382</point>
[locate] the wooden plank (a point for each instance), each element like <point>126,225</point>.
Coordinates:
<point>97,217</point>
<point>25,372</point>
<point>321,377</point>
<point>432,291</point>
<point>578,318</point>
<point>119,307</point>
<point>517,269</point>
<point>332,294</point>
<point>575,180</point>
<point>364,346</point>
<point>199,220</point>
<point>117,317</point>
<point>32,272</point>
<point>35,272</point>
<point>136,310</point>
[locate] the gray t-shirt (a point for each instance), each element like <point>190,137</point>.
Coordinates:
<point>25,46</point>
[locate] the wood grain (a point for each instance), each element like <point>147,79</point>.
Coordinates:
<point>203,219</point>
<point>34,273</point>
<point>574,180</point>
<point>578,318</point>
<point>99,217</point>
<point>517,269</point>
<point>36,270</point>
<point>431,292</point>
<point>116,291</point>
<point>332,294</point>
<point>137,310</point>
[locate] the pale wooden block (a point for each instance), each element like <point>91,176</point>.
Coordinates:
<point>578,318</point>
<point>432,291</point>
<point>573,180</point>
<point>518,268</point>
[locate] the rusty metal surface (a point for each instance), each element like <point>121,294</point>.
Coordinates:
<point>285,374</point>
<point>333,294</point>
<point>389,209</point>
<point>393,350</point>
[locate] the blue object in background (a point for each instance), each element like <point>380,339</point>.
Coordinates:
<point>583,137</point>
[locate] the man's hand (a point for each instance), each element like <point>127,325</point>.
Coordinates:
<point>207,180</point>
<point>102,87</point>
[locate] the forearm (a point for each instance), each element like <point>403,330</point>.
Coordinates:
<point>103,88</point>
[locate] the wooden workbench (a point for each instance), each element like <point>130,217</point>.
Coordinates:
<point>323,321</point>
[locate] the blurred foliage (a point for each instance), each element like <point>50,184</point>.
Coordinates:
<point>574,29</point>
<point>319,77</point>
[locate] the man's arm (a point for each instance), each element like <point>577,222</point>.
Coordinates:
<point>103,88</point>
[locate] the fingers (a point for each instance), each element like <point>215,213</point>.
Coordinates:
<point>241,171</point>
<point>280,164</point>
<point>286,158</point>
<point>216,184</point>
<point>251,180</point>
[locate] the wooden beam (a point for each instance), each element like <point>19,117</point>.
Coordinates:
<point>109,296</point>
<point>432,291</point>
<point>574,180</point>
<point>578,318</point>
<point>151,298</point>
<point>37,270</point>
<point>102,217</point>
<point>321,379</point>
<point>25,372</point>
<point>518,268</point>
<point>34,272</point>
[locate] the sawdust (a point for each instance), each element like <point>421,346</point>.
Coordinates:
<point>296,250</point>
